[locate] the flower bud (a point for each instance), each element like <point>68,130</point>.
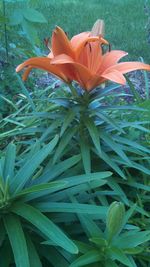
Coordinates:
<point>98,28</point>
<point>115,219</point>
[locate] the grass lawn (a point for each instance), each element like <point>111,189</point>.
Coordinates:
<point>125,21</point>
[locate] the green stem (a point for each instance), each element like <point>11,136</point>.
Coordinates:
<point>73,90</point>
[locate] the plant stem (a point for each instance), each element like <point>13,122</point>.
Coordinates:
<point>5,31</point>
<point>73,90</point>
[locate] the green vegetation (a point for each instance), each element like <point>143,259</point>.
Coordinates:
<point>125,21</point>
<point>74,164</point>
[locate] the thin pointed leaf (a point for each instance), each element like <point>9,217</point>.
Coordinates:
<point>31,165</point>
<point>67,121</point>
<point>45,225</point>
<point>9,161</point>
<point>114,146</point>
<point>109,121</point>
<point>93,131</point>
<point>54,257</point>
<point>132,239</point>
<point>47,188</point>
<point>89,257</point>
<point>17,240</point>
<point>118,254</point>
<point>85,153</point>
<point>33,255</point>
<point>65,139</point>
<point>111,163</point>
<point>131,143</point>
<point>72,207</point>
<point>58,169</point>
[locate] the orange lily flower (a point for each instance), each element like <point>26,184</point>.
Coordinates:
<point>60,45</point>
<point>81,60</point>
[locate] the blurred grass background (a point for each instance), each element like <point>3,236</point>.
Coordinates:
<point>125,21</point>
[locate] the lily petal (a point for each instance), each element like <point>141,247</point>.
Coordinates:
<point>114,76</point>
<point>44,64</point>
<point>60,43</point>
<point>26,73</point>
<point>110,58</point>
<point>125,67</point>
<point>91,56</point>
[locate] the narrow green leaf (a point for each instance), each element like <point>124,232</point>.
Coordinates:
<point>58,169</point>
<point>132,261</point>
<point>140,167</point>
<point>119,255</point>
<point>71,207</point>
<point>131,143</point>
<point>49,130</point>
<point>93,131</point>
<point>45,225</point>
<point>25,92</point>
<point>85,153</point>
<point>14,122</point>
<point>140,186</point>
<point>133,251</point>
<point>67,121</point>
<point>129,213</point>
<point>64,141</point>
<point>89,226</point>
<point>8,101</point>
<point>54,257</point>
<point>6,254</point>
<point>109,121</point>
<point>9,161</point>
<point>33,255</point>
<point>17,240</point>
<point>25,173</point>
<point>79,179</point>
<point>89,257</point>
<point>114,184</point>
<point>114,146</point>
<point>42,187</point>
<point>78,189</point>
<point>111,163</point>
<point>2,232</point>
<point>132,239</point>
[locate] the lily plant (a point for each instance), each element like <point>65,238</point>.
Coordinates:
<point>85,118</point>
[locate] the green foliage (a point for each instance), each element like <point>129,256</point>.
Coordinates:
<point>74,166</point>
<point>110,252</point>
<point>25,18</point>
<point>93,117</point>
<point>22,197</point>
<point>59,173</point>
